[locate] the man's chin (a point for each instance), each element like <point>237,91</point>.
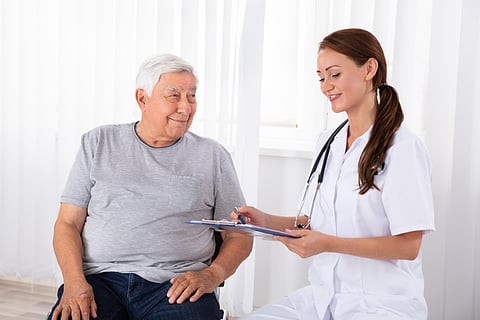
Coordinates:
<point>179,130</point>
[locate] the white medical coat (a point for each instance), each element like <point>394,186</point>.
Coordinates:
<point>352,287</point>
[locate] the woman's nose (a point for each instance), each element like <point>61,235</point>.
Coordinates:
<point>326,86</point>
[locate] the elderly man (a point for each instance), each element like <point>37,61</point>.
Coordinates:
<point>120,238</point>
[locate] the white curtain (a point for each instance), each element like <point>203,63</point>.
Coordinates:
<point>452,115</point>
<point>68,66</point>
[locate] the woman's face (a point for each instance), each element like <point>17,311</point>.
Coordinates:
<point>346,85</point>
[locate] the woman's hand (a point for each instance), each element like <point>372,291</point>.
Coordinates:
<point>309,244</point>
<point>252,216</point>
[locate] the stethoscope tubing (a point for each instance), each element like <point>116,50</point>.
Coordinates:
<point>323,152</point>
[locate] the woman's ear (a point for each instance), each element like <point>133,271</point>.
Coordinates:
<point>372,67</point>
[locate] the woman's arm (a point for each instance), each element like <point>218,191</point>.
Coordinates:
<point>403,246</point>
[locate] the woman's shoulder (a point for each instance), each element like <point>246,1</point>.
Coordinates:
<point>406,140</point>
<point>405,135</point>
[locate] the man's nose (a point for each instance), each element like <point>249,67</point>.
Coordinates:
<point>184,106</point>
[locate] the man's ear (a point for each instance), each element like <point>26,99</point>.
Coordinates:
<point>372,67</point>
<point>141,97</point>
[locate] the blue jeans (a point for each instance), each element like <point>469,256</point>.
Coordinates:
<point>125,296</point>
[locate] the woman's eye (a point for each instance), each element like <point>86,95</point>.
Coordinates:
<point>321,79</point>
<point>335,75</point>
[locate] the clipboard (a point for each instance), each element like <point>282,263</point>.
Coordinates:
<point>248,229</point>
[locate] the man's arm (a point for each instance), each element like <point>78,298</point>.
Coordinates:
<point>192,285</point>
<point>235,248</point>
<point>67,240</point>
<point>77,299</point>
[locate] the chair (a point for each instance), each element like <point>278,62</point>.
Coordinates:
<point>218,243</point>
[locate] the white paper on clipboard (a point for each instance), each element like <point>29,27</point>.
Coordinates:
<point>248,229</point>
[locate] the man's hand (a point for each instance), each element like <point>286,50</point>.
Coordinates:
<point>77,302</point>
<point>192,285</point>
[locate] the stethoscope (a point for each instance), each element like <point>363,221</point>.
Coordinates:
<point>323,152</point>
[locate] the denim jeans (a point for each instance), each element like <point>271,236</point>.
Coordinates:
<point>125,296</point>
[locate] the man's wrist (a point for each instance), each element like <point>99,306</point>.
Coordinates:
<point>218,273</point>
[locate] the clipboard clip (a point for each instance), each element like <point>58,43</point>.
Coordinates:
<point>220,222</point>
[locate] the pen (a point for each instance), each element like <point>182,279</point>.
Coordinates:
<point>239,215</point>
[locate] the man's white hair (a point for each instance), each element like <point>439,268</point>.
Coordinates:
<point>151,70</point>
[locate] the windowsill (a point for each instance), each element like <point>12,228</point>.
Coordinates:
<point>287,148</point>
<point>286,153</point>
<point>281,152</point>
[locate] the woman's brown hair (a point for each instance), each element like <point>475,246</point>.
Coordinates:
<point>360,45</point>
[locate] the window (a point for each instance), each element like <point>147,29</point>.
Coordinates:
<point>293,110</point>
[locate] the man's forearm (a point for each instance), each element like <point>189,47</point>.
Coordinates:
<point>235,248</point>
<point>67,244</point>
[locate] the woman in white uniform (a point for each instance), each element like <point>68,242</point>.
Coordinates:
<point>368,200</point>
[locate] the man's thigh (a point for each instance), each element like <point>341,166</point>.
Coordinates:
<point>151,303</point>
<point>129,296</point>
<point>110,305</point>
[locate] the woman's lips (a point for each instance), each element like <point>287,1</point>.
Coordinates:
<point>333,97</point>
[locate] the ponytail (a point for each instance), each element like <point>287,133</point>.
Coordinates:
<point>388,119</point>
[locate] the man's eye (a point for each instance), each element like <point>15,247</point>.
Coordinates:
<point>321,79</point>
<point>174,97</point>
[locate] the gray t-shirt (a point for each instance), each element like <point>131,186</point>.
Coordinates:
<point>139,197</point>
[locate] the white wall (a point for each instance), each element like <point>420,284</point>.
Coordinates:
<point>277,270</point>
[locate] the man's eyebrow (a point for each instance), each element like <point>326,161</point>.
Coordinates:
<point>175,88</point>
